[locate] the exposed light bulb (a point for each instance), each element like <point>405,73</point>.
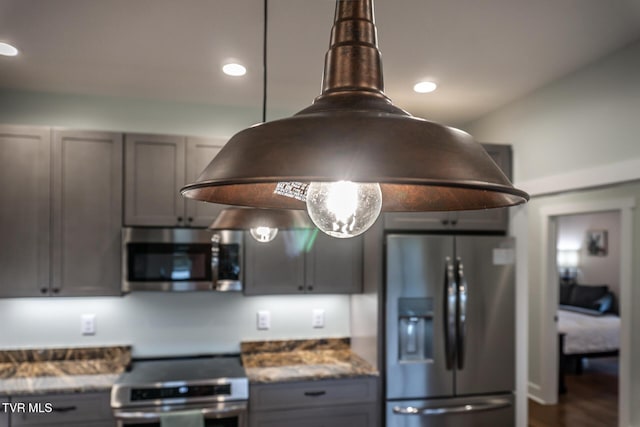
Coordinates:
<point>263,234</point>
<point>344,209</point>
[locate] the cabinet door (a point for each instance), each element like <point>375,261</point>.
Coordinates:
<point>334,266</point>
<point>86,409</point>
<point>24,210</point>
<point>200,151</point>
<point>154,175</point>
<point>276,267</point>
<point>363,415</point>
<point>4,416</point>
<point>87,213</point>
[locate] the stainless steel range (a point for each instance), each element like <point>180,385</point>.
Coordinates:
<point>216,386</point>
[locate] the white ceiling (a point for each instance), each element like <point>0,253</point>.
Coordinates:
<point>483,53</point>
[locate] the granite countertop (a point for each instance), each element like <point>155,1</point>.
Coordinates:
<point>302,360</point>
<point>61,370</point>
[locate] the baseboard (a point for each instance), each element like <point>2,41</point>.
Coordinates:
<point>534,393</point>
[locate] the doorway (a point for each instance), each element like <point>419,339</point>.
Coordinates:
<point>550,296</point>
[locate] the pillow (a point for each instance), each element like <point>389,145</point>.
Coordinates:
<point>604,304</point>
<point>586,295</point>
<point>565,292</point>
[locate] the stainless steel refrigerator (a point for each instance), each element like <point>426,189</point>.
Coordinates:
<point>450,331</point>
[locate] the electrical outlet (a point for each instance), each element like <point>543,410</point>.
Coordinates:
<point>264,320</point>
<point>88,324</point>
<point>317,318</point>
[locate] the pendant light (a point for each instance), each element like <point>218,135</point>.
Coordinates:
<point>263,224</point>
<point>352,153</point>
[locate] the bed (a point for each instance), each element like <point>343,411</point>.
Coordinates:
<point>585,334</point>
<point>588,325</point>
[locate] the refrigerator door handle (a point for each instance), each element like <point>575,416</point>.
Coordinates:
<point>489,405</point>
<point>450,313</point>
<point>462,313</point>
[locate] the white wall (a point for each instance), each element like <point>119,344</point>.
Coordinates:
<point>582,121</point>
<point>585,124</point>
<point>593,270</point>
<point>168,323</point>
<point>123,114</point>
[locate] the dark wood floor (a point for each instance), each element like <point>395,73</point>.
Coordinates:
<point>591,399</point>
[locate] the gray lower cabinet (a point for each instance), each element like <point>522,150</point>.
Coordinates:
<point>156,168</point>
<point>58,410</point>
<point>350,402</point>
<point>487,220</point>
<point>61,194</point>
<point>303,261</point>
<point>4,415</point>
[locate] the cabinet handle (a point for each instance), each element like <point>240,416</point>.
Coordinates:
<point>179,219</point>
<point>454,222</point>
<point>190,219</point>
<point>56,290</point>
<point>300,288</point>
<point>315,393</point>
<point>65,409</point>
<point>44,290</point>
<point>310,288</point>
<point>445,222</point>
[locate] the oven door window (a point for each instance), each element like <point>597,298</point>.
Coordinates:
<point>168,262</point>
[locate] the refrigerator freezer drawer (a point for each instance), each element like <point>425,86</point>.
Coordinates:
<point>477,411</point>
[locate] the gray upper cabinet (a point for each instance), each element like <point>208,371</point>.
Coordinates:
<point>303,261</point>
<point>25,215</point>
<point>275,267</point>
<point>334,266</point>
<point>156,168</point>
<point>485,220</point>
<point>61,234</point>
<point>87,213</point>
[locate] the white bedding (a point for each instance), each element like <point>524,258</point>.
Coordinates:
<point>589,334</point>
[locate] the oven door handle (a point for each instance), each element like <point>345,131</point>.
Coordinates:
<point>155,416</point>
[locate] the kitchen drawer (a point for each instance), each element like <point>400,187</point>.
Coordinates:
<point>355,415</point>
<point>88,409</point>
<point>310,394</point>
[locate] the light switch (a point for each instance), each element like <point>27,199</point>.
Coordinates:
<point>264,320</point>
<point>88,324</point>
<point>317,318</point>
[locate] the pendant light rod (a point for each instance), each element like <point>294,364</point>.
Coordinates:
<point>265,29</point>
<point>353,61</point>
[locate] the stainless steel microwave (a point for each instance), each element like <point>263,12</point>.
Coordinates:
<point>167,259</point>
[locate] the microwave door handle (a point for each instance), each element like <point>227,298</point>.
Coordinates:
<point>462,313</point>
<point>450,308</point>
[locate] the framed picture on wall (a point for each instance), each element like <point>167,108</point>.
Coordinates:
<point>597,242</point>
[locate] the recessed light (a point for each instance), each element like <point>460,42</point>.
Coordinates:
<point>234,69</point>
<point>7,50</point>
<point>425,87</point>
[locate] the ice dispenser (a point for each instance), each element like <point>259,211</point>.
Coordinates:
<point>415,337</point>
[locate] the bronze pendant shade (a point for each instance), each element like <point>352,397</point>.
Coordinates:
<point>353,132</point>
